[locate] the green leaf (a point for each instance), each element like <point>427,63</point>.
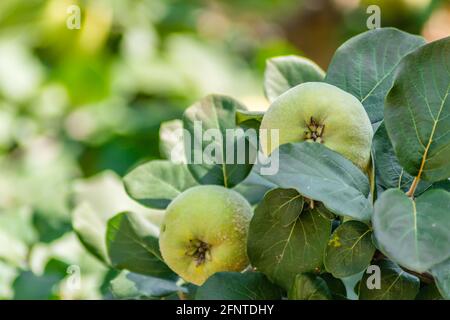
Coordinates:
<point>395,284</point>
<point>336,286</point>
<point>283,73</point>
<point>349,250</point>
<point>132,245</point>
<point>156,183</point>
<point>441,273</point>
<point>365,66</point>
<point>415,234</point>
<point>50,225</point>
<point>56,267</point>
<point>254,187</point>
<point>324,175</point>
<point>249,119</point>
<point>389,172</point>
<point>32,287</point>
<point>309,287</point>
<point>90,230</point>
<point>282,247</point>
<point>429,292</point>
<point>416,112</point>
<point>238,286</point>
<point>29,286</point>
<point>444,184</point>
<point>105,282</point>
<point>128,285</point>
<point>216,159</point>
<point>171,144</point>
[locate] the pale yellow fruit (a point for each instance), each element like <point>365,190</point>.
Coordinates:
<point>204,232</point>
<point>321,113</point>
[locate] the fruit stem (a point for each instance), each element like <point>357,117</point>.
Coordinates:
<point>413,187</point>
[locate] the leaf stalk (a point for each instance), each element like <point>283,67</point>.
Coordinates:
<point>413,187</point>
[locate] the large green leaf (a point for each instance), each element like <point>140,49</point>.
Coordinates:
<point>156,183</point>
<point>389,172</point>
<point>365,66</point>
<point>441,273</point>
<point>128,285</point>
<point>214,158</point>
<point>413,233</point>
<point>417,109</point>
<point>349,250</point>
<point>309,287</point>
<point>238,286</point>
<point>132,245</point>
<point>323,175</point>
<point>283,73</point>
<point>395,284</point>
<point>254,187</point>
<point>283,241</point>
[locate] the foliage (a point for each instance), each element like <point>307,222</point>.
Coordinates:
<point>291,240</point>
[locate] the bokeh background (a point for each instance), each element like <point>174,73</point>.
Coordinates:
<point>79,108</point>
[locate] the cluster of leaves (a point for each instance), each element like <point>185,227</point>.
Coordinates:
<point>320,220</point>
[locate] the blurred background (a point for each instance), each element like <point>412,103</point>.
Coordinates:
<point>79,108</point>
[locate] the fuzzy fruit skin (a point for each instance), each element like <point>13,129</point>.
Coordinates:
<point>215,215</point>
<point>347,129</point>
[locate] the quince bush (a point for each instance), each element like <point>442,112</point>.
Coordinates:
<point>361,191</point>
